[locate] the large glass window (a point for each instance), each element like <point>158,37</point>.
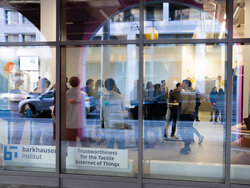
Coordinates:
<point>101,20</point>
<point>240,142</point>
<point>26,103</point>
<point>101,131</point>
<point>198,20</point>
<point>184,112</point>
<point>26,17</point>
<point>182,116</point>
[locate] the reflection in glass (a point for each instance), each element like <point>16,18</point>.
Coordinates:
<point>102,20</point>
<point>26,102</point>
<point>184,112</point>
<point>240,115</point>
<point>197,20</point>
<point>240,21</point>
<point>28,21</point>
<point>101,131</point>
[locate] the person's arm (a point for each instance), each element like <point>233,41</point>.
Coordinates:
<point>167,92</point>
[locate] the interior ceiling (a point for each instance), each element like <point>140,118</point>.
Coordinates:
<point>83,17</point>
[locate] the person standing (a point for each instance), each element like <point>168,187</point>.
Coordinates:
<point>76,112</point>
<point>220,105</point>
<point>89,87</point>
<point>213,100</point>
<point>112,107</point>
<point>186,117</point>
<point>197,104</point>
<point>174,99</point>
<point>164,88</point>
<point>99,89</point>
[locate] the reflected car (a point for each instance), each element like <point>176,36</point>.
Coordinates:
<point>35,107</point>
<point>10,101</point>
<point>41,105</point>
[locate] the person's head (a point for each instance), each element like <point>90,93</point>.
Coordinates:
<point>74,81</point>
<point>90,82</point>
<point>186,83</point>
<point>157,89</point>
<point>163,82</point>
<point>109,84</point>
<point>17,78</point>
<point>221,92</point>
<point>214,90</point>
<point>178,85</point>
<point>149,85</point>
<point>45,83</point>
<point>99,84</point>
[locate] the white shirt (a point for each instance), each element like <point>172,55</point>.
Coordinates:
<point>75,108</point>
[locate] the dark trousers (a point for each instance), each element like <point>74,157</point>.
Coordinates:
<point>173,119</point>
<point>214,111</point>
<point>186,128</point>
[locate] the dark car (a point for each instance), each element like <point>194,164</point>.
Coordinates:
<point>41,106</point>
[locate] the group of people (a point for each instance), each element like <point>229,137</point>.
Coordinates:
<point>112,104</point>
<point>183,103</point>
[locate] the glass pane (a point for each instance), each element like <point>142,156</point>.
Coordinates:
<point>28,21</point>
<point>240,143</point>
<point>101,20</point>
<point>184,112</point>
<point>182,20</point>
<point>101,110</point>
<point>240,22</point>
<point>26,136</point>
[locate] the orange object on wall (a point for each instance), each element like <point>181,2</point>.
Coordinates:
<point>9,67</point>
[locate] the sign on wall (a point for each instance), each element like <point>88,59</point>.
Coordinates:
<point>29,155</point>
<point>97,157</point>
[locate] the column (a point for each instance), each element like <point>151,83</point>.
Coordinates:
<point>246,81</point>
<point>48,31</point>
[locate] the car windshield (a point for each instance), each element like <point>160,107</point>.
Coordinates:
<point>47,95</point>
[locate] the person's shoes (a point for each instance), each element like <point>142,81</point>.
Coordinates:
<point>91,140</point>
<point>201,139</point>
<point>185,150</point>
<point>215,122</point>
<point>198,120</point>
<point>166,138</point>
<point>210,120</point>
<point>174,137</point>
<point>148,146</point>
<point>100,142</point>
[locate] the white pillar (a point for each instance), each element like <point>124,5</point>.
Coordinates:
<point>165,12</point>
<point>48,30</point>
<point>48,19</point>
<point>132,65</point>
<point>246,84</point>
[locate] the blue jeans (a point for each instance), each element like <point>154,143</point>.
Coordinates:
<point>186,129</point>
<point>115,136</point>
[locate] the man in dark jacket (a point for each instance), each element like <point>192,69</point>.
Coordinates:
<point>174,100</point>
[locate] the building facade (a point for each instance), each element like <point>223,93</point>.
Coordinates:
<point>128,93</point>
